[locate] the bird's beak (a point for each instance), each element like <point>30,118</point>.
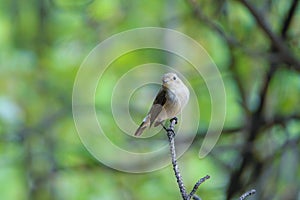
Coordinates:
<point>165,80</point>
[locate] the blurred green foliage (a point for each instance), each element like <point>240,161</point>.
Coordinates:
<point>42,45</point>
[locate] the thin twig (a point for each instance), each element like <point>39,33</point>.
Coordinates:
<point>277,42</point>
<point>171,136</point>
<point>195,197</point>
<point>245,195</point>
<point>288,19</point>
<point>195,188</point>
<point>198,13</point>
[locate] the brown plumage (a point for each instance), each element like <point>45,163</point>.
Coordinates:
<point>169,101</point>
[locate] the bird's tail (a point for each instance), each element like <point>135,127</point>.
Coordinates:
<point>143,126</point>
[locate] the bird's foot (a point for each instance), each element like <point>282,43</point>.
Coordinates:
<point>174,119</point>
<point>170,132</point>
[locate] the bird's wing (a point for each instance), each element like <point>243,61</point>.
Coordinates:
<point>141,128</point>
<point>158,104</point>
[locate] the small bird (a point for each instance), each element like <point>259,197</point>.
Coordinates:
<point>169,101</point>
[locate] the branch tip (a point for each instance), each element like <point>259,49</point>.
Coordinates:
<point>196,186</point>
<point>247,194</point>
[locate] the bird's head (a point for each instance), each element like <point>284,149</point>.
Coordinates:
<point>170,80</point>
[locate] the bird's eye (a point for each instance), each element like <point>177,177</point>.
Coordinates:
<point>174,78</point>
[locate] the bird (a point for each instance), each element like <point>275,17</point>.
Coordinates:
<point>170,100</point>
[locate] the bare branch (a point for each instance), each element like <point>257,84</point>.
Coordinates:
<point>285,53</point>
<point>214,26</point>
<point>195,188</point>
<point>288,19</point>
<point>279,120</point>
<point>245,195</point>
<point>171,136</point>
<point>195,197</point>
